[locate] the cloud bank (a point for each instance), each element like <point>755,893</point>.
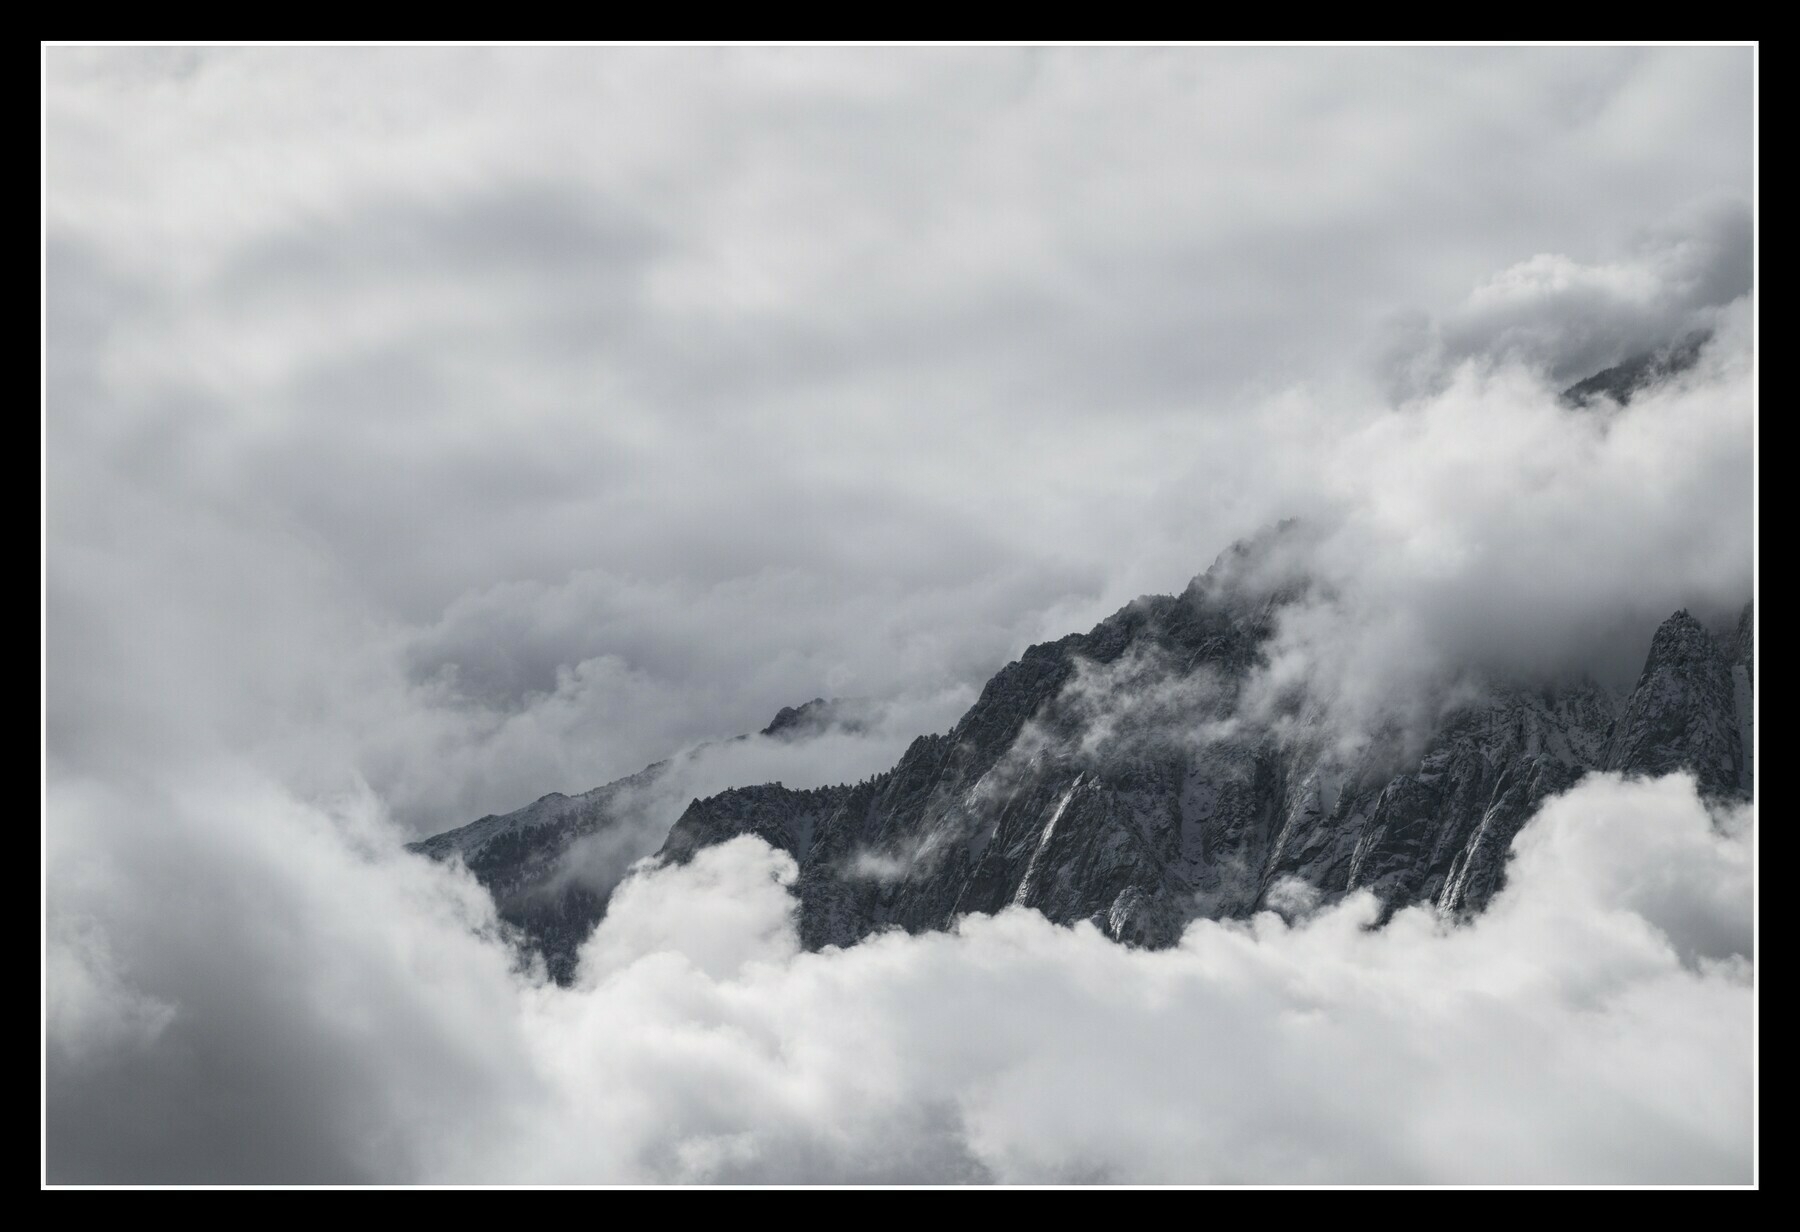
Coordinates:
<point>1487,532</point>
<point>359,1021</point>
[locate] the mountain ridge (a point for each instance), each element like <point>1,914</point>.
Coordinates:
<point>1076,785</point>
<point>1625,380</point>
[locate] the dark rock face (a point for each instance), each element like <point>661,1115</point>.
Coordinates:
<point>849,714</point>
<point>1109,777</point>
<point>778,815</point>
<point>1743,684</point>
<point>1684,713</point>
<point>522,859</point>
<point>1163,820</point>
<point>1637,374</point>
<point>552,865</point>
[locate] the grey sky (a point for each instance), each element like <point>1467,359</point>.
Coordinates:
<point>734,377</point>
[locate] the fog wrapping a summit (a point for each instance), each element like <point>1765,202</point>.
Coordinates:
<point>623,615</point>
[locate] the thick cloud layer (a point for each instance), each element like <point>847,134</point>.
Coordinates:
<point>1489,531</point>
<point>325,1009</point>
<point>513,418</point>
<point>1571,319</point>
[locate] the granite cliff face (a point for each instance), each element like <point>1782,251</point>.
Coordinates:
<point>1110,777</point>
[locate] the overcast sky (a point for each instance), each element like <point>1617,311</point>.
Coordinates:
<point>675,386</point>
<point>431,429</point>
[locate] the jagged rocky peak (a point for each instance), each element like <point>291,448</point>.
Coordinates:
<point>1096,779</point>
<point>1688,710</point>
<point>535,860</point>
<point>1624,380</point>
<point>820,715</point>
<point>542,824</point>
<point>1111,777</point>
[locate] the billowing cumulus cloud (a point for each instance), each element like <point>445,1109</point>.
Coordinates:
<point>1571,319</point>
<point>1490,531</point>
<point>431,429</point>
<point>359,1021</point>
